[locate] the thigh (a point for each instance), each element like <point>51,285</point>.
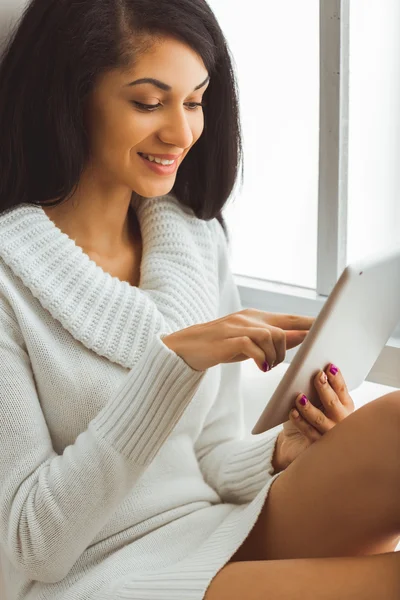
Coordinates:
<point>341,497</point>
<point>365,578</point>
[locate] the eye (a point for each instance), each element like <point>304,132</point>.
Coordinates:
<point>148,107</point>
<point>196,104</point>
<point>151,107</point>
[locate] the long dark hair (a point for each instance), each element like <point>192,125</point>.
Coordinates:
<point>49,65</point>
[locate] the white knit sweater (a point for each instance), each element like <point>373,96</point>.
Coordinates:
<point>124,473</point>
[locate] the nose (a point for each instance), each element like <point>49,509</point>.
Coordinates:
<point>176,130</point>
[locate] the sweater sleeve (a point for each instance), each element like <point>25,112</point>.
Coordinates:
<point>234,462</point>
<point>41,531</point>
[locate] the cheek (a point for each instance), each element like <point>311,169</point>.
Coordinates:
<point>122,128</point>
<point>123,138</point>
<point>108,131</point>
<point>135,128</point>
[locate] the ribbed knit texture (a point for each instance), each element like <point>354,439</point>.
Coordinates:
<point>124,473</point>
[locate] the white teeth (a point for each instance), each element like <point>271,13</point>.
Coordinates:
<point>160,161</point>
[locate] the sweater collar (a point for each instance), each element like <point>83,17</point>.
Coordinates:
<point>178,283</point>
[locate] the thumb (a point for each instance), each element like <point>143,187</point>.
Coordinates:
<point>294,338</point>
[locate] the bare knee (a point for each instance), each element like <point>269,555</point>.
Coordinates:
<point>370,438</point>
<point>379,430</point>
<point>384,413</point>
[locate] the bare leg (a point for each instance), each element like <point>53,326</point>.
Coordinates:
<point>341,497</point>
<point>366,578</point>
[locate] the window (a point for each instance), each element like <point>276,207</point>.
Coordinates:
<point>277,65</point>
<point>319,85</point>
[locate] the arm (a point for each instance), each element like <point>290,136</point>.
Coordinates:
<point>41,490</point>
<point>235,463</point>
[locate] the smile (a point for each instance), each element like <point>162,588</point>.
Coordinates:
<point>160,169</point>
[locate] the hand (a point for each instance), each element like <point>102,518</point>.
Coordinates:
<point>307,424</point>
<point>249,333</point>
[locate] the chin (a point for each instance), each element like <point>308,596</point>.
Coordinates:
<point>152,191</point>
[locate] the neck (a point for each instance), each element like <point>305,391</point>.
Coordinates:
<point>102,228</point>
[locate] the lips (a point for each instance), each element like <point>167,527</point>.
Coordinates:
<point>162,156</point>
<point>153,157</point>
<point>159,168</point>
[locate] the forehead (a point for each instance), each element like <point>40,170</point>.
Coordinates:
<point>171,61</point>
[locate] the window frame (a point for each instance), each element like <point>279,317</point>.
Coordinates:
<point>332,197</point>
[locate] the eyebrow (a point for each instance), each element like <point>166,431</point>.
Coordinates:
<point>163,86</point>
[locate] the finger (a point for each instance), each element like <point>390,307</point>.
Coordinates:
<point>313,415</point>
<point>269,343</point>
<point>270,338</point>
<point>338,384</point>
<point>294,338</point>
<point>243,347</point>
<point>330,401</point>
<point>278,339</point>
<point>291,334</point>
<point>304,427</point>
<point>289,322</point>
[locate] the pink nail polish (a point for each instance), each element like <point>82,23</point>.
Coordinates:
<point>303,400</point>
<point>265,367</point>
<point>333,369</point>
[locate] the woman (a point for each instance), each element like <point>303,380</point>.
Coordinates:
<point>124,472</point>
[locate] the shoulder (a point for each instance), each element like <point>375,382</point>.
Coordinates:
<point>211,228</point>
<point>12,291</point>
<point>209,237</point>
<point>223,248</point>
<point>6,312</point>
<point>10,331</point>
<point>8,291</point>
<point>177,222</point>
<point>219,235</point>
<point>14,216</point>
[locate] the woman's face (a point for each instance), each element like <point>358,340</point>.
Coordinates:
<point>120,129</point>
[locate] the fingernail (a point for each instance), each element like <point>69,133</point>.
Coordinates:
<point>333,369</point>
<point>265,367</point>
<point>323,378</point>
<point>295,414</point>
<point>303,400</point>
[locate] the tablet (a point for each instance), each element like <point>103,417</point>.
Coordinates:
<point>350,331</point>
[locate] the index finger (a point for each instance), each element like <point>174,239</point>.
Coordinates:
<point>292,322</point>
